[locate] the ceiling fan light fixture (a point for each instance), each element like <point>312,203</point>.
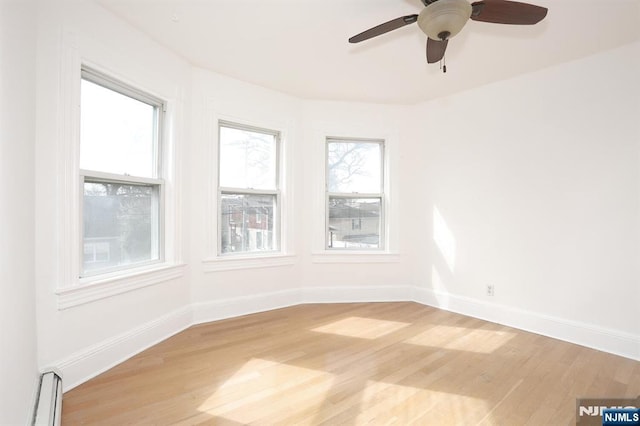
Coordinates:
<point>444,18</point>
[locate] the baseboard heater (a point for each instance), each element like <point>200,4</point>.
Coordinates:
<point>48,410</point>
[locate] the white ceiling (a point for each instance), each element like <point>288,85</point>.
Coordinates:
<point>300,46</point>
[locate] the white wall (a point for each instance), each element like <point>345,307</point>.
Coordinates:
<point>308,276</point>
<point>93,336</point>
<point>332,276</point>
<point>217,97</point>
<point>536,181</point>
<point>18,367</point>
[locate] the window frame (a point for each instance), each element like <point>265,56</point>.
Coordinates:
<point>346,195</point>
<point>156,181</point>
<point>277,193</point>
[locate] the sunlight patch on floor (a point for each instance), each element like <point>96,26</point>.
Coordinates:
<point>363,328</point>
<point>263,383</point>
<point>392,403</point>
<point>461,338</point>
<point>378,398</point>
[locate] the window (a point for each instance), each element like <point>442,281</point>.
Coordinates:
<point>120,175</point>
<point>248,189</point>
<point>355,198</point>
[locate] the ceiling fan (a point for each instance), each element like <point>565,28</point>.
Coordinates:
<point>442,19</point>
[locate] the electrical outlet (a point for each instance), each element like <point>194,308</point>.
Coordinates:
<point>490,290</point>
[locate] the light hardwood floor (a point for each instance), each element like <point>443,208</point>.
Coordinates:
<point>367,363</point>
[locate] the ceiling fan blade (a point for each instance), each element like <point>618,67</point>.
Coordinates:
<point>435,50</point>
<point>507,12</point>
<point>394,24</point>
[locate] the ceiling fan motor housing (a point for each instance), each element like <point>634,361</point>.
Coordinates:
<point>444,18</point>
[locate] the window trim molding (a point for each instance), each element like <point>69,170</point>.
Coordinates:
<point>159,105</point>
<point>69,289</point>
<point>259,260</point>
<point>107,285</point>
<point>214,261</point>
<point>94,75</point>
<point>355,256</point>
<point>382,238</point>
<point>94,176</point>
<point>321,132</point>
<point>277,223</point>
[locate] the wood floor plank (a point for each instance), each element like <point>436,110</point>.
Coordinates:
<point>366,363</point>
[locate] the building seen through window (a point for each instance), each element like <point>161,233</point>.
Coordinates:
<point>354,194</point>
<point>248,189</point>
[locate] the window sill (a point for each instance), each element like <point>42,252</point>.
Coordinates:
<point>245,262</point>
<point>359,256</point>
<point>96,288</point>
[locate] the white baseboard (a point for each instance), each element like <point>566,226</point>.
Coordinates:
<point>351,294</point>
<point>584,334</point>
<point>244,305</point>
<point>83,365</point>
<point>89,362</point>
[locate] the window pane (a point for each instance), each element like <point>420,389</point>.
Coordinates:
<point>247,223</point>
<point>354,223</point>
<point>117,132</point>
<point>354,167</point>
<point>247,159</point>
<point>121,223</point>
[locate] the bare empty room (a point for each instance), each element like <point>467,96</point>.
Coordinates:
<point>355,212</point>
